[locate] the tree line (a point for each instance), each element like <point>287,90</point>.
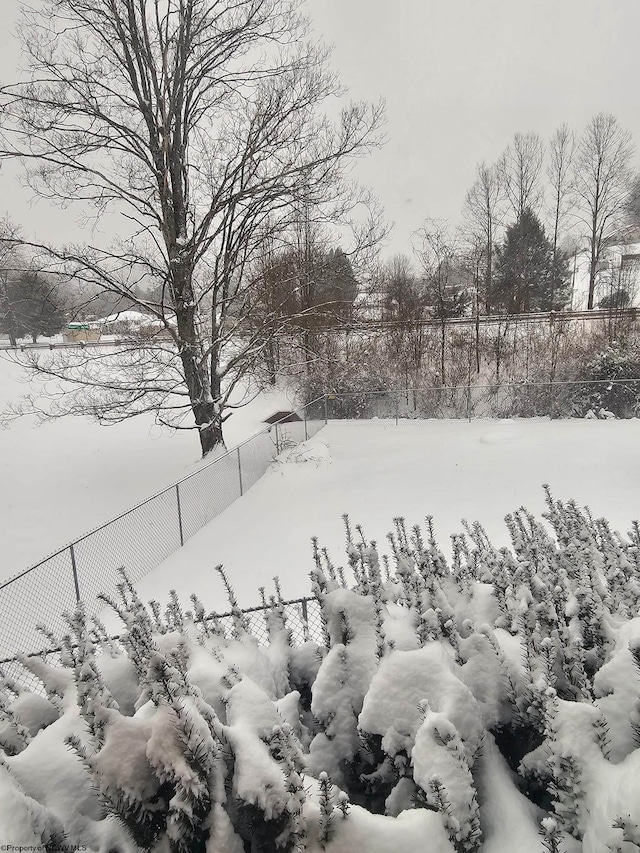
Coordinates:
<point>209,128</point>
<point>586,190</point>
<point>523,220</point>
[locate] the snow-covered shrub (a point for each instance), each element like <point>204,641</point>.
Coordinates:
<point>490,701</point>
<point>609,385</point>
<point>353,372</point>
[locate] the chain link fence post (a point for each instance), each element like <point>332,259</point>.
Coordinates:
<point>306,432</point>
<point>181,531</point>
<point>74,569</point>
<point>240,473</point>
<point>326,409</point>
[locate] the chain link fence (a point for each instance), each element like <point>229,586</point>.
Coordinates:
<point>618,398</point>
<point>303,619</point>
<point>141,538</point>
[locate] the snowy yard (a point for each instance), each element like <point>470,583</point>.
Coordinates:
<point>451,695</point>
<point>530,681</point>
<point>375,471</point>
<point>63,478</point>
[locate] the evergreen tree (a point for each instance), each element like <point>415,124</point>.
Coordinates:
<point>527,277</point>
<point>336,286</point>
<point>313,289</point>
<point>618,298</point>
<point>34,307</point>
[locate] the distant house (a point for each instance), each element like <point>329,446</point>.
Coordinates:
<point>369,305</point>
<point>81,332</point>
<point>121,323</point>
<point>132,322</point>
<point>618,272</point>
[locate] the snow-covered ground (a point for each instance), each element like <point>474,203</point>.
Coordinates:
<point>375,471</point>
<point>480,709</point>
<point>78,473</point>
<point>63,478</point>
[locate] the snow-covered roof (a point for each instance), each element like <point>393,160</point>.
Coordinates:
<point>134,318</point>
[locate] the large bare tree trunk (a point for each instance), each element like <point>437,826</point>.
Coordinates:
<point>202,124</point>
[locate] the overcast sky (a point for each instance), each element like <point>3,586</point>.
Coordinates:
<point>459,77</point>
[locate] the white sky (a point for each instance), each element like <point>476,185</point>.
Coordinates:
<point>460,77</point>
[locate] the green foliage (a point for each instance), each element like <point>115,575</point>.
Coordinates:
<point>609,382</point>
<point>31,308</point>
<point>452,303</point>
<point>307,289</point>
<point>620,298</point>
<point>528,277</point>
<point>336,286</point>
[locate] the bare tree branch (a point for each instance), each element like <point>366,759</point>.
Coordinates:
<point>197,122</point>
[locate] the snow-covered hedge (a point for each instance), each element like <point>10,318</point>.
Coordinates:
<point>610,383</point>
<point>490,702</point>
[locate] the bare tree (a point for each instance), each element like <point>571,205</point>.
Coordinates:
<point>483,214</point>
<point>520,170</point>
<point>10,266</point>
<point>405,308</point>
<point>437,251</point>
<point>199,123</point>
<point>301,289</point>
<point>562,146</point>
<point>603,179</point>
<point>633,202</point>
<point>474,260</point>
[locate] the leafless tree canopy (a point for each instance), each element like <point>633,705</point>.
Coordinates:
<point>200,122</point>
<point>483,212</point>
<point>562,146</point>
<point>520,169</point>
<point>602,183</point>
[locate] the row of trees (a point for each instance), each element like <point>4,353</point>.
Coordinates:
<point>585,188</point>
<point>522,220</point>
<point>204,126</point>
<point>29,303</point>
<point>527,276</point>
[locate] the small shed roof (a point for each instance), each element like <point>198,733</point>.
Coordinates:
<point>282,417</point>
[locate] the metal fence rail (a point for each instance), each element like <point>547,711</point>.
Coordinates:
<point>556,399</point>
<point>141,538</point>
<point>303,619</point>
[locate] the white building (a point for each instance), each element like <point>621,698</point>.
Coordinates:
<point>618,270</point>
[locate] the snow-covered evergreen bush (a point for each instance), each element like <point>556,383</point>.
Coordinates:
<point>487,702</point>
<point>609,385</point>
